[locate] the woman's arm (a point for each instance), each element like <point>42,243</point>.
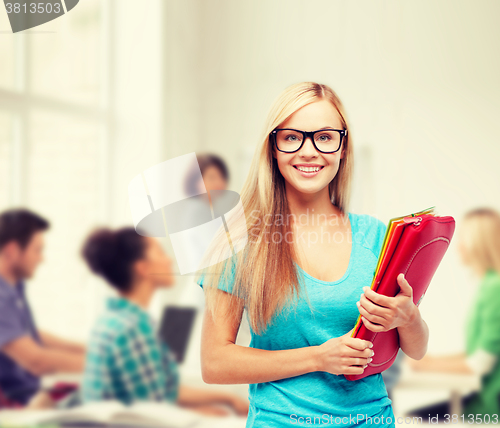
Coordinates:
<point>383,313</point>
<point>414,335</point>
<point>224,362</point>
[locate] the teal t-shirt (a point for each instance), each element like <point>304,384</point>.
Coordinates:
<point>321,398</point>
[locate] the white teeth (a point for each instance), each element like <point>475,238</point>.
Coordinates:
<point>308,169</point>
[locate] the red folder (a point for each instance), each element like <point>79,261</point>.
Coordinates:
<point>413,245</point>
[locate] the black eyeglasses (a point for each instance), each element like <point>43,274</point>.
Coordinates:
<point>289,140</point>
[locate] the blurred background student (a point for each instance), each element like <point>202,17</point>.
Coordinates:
<point>479,246</point>
<point>126,360</point>
<point>215,176</point>
<point>26,353</point>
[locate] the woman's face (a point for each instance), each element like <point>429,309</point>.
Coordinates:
<point>312,117</point>
<point>157,264</point>
<point>213,179</point>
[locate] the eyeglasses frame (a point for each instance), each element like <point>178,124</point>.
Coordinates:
<point>308,134</point>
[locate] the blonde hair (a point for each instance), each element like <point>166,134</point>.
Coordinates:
<point>480,233</point>
<point>265,275</point>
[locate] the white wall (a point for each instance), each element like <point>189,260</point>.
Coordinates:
<point>419,81</point>
<point>130,89</point>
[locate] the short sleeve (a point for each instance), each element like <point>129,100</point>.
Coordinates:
<point>380,230</point>
<point>224,285</point>
<point>11,325</point>
<point>489,330</point>
<point>201,279</point>
<point>372,232</point>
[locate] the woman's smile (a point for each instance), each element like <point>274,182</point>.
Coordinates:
<point>308,170</point>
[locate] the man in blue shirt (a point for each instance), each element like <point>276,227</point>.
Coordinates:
<point>25,352</point>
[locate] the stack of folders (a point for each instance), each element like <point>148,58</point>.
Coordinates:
<point>414,245</point>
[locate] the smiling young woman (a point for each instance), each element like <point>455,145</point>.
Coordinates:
<point>299,277</point>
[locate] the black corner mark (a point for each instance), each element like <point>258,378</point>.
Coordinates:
<point>25,14</point>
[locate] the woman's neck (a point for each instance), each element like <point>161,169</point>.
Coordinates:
<point>141,293</point>
<point>306,206</point>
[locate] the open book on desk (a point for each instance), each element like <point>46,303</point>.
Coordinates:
<point>108,413</point>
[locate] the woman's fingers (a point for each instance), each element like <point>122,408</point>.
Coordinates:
<point>354,370</point>
<point>370,315</point>
<point>373,327</point>
<point>358,344</point>
<point>358,361</point>
<point>344,355</point>
<point>361,362</point>
<point>373,308</point>
<point>367,353</point>
<point>406,288</point>
<point>379,299</point>
<point>357,358</point>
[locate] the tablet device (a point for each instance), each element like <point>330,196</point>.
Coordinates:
<point>175,329</point>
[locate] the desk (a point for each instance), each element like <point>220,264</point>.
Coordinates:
<point>232,421</point>
<point>188,376</point>
<point>456,385</point>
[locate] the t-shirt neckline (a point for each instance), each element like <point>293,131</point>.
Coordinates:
<point>349,266</point>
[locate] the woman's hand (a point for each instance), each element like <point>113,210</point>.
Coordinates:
<point>383,313</point>
<point>345,355</point>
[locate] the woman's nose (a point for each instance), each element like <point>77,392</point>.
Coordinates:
<point>308,148</point>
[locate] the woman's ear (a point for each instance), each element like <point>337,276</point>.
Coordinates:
<point>342,153</point>
<point>141,268</point>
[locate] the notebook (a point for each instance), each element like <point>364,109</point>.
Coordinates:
<point>414,245</point>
